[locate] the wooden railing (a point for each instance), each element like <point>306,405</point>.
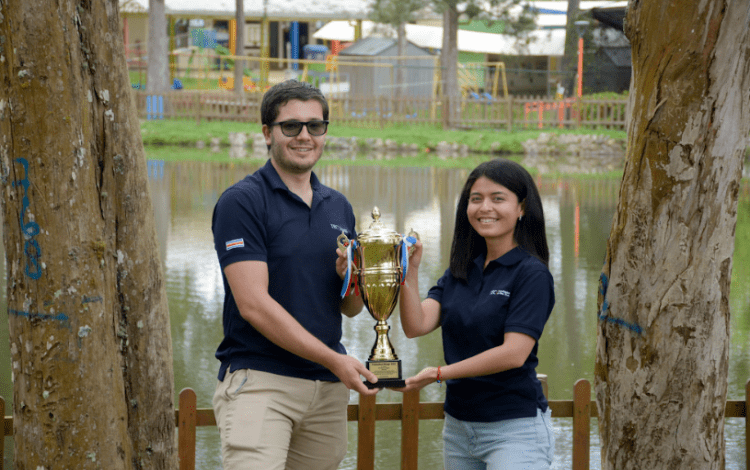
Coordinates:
<point>410,412</point>
<point>509,113</point>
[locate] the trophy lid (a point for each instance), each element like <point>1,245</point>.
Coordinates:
<point>377,233</point>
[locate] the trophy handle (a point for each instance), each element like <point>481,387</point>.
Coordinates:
<point>342,241</point>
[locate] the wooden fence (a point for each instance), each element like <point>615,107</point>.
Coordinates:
<point>511,113</point>
<point>188,417</point>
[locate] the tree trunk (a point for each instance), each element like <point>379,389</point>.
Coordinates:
<point>239,65</point>
<point>400,69</point>
<point>663,335</point>
<point>90,343</point>
<point>570,58</point>
<point>449,66</point>
<point>157,73</point>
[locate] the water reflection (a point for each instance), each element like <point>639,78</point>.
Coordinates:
<point>579,214</point>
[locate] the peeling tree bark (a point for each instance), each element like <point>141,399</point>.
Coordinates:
<point>663,335</point>
<point>90,342</point>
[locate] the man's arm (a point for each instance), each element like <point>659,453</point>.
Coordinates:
<point>249,283</point>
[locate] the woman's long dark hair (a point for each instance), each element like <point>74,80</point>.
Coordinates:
<point>530,232</point>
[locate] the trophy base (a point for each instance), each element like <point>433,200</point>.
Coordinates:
<point>388,373</point>
<point>386,383</point>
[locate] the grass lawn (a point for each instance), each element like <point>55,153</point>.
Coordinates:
<point>482,141</point>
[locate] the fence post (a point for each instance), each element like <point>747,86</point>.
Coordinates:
<point>154,107</point>
<point>198,108</point>
<point>581,424</point>
<point>545,387</point>
<point>509,101</point>
<point>381,111</point>
<point>186,429</point>
<point>366,433</point>
<point>410,431</point>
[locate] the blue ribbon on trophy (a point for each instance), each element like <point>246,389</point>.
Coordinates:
<point>350,244</point>
<point>407,243</point>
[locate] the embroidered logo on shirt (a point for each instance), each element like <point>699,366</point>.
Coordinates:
<point>339,229</point>
<point>238,243</point>
<point>504,293</point>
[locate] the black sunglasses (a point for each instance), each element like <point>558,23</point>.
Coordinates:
<point>293,128</point>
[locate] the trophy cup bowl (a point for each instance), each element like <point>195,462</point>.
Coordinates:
<point>377,255</point>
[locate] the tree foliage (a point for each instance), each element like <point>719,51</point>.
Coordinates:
<point>395,12</point>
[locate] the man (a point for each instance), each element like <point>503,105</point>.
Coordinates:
<point>284,379</point>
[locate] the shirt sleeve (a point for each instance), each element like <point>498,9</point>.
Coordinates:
<point>436,292</point>
<point>531,303</point>
<point>239,228</point>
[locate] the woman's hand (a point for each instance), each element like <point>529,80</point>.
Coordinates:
<point>415,255</point>
<point>421,380</point>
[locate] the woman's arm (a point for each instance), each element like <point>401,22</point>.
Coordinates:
<point>510,355</point>
<point>417,318</point>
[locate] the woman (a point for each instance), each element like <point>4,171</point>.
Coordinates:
<point>492,304</point>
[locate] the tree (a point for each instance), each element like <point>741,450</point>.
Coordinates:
<point>157,73</point>
<point>239,65</point>
<point>449,64</point>
<point>663,335</point>
<point>91,350</point>
<point>517,18</point>
<point>571,44</point>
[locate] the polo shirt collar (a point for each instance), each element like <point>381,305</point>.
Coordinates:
<point>508,259</point>
<point>274,181</point>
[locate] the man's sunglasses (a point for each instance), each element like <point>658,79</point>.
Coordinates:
<point>293,128</point>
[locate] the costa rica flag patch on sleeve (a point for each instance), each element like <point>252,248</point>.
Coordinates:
<point>238,243</point>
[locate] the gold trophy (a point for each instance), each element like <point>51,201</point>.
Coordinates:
<point>380,256</point>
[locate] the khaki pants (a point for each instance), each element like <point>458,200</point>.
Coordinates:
<point>273,422</point>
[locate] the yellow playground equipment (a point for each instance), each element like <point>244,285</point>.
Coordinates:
<point>227,83</point>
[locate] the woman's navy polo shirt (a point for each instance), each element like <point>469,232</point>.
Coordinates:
<point>259,219</point>
<point>515,293</point>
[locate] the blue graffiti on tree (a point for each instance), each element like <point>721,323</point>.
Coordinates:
<point>603,316</point>
<point>29,229</point>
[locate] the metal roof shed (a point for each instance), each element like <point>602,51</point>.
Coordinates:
<point>373,79</point>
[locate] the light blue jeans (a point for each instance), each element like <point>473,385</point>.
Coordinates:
<point>514,444</point>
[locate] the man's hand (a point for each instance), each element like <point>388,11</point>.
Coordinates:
<point>349,370</point>
<point>341,263</point>
<point>351,305</point>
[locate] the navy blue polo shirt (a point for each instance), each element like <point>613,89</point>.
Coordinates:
<point>515,293</point>
<point>259,219</point>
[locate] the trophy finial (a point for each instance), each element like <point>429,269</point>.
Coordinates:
<point>375,213</point>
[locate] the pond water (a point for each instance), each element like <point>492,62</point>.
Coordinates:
<point>578,211</point>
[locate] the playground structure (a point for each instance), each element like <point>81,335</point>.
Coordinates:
<point>210,70</point>
<point>472,77</point>
<point>206,92</point>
